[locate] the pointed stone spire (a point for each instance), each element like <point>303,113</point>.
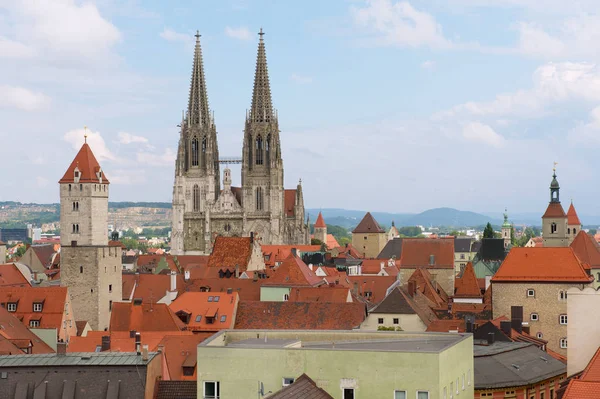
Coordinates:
<point>198,111</point>
<point>262,106</point>
<point>320,221</point>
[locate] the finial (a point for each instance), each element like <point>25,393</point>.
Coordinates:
<point>261,33</point>
<point>197,36</point>
<point>300,181</point>
<point>85,134</point>
<point>554,168</point>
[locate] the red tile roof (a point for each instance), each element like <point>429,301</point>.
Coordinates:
<point>346,251</point>
<point>289,202</point>
<point>150,262</point>
<point>11,276</point>
<point>373,266</point>
<point>150,287</point>
<point>331,242</point>
<point>294,273</point>
<point>278,253</point>
<point>88,167</point>
<point>587,249</point>
<point>45,254</point>
<point>320,294</point>
<point>423,280</point>
<point>368,224</point>
<point>195,264</point>
<point>120,341</point>
<point>572,218</point>
<point>320,222</point>
<point>145,317</point>
<point>373,288</point>
<point>592,370</point>
<point>197,306</point>
<point>587,386</point>
<point>543,265</point>
<point>14,331</point>
<point>467,286</point>
<point>247,289</point>
<point>231,251</point>
<point>53,301</point>
<point>180,351</point>
<point>554,210</point>
<point>416,252</point>
<point>300,315</point>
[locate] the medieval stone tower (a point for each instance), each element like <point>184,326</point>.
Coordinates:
<point>320,227</point>
<point>506,231</point>
<point>554,220</point>
<point>202,210</point>
<point>89,267</point>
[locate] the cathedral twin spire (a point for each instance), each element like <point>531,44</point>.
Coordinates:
<point>262,106</point>
<point>198,111</point>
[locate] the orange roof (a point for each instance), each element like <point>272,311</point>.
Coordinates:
<point>372,288</point>
<point>331,242</point>
<point>113,243</point>
<point>542,264</point>
<point>145,317</point>
<point>180,351</point>
<point>15,331</point>
<point>373,266</point>
<point>88,167</point>
<point>150,262</point>
<point>578,389</point>
<point>150,287</point>
<point>196,307</point>
<point>320,222</point>
<point>592,370</point>
<point>195,264</point>
<point>120,341</point>
<point>274,254</point>
<point>53,301</point>
<point>247,289</point>
<point>320,294</point>
<point>300,315</point>
<point>417,252</point>
<point>423,279</point>
<point>11,276</point>
<point>347,250</point>
<point>572,218</point>
<point>289,202</point>
<point>554,210</point>
<point>293,272</point>
<point>467,285</point>
<point>231,251</point>
<point>587,249</point>
<point>450,325</point>
<point>368,224</point>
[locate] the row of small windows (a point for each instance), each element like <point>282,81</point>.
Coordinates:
<point>97,187</point>
<point>262,150</point>
<point>75,228</point>
<point>562,319</point>
<point>562,295</point>
<point>76,205</point>
<point>574,231</point>
<point>197,158</point>
<point>553,229</point>
<point>12,306</point>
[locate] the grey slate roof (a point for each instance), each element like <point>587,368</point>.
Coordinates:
<point>76,359</point>
<point>513,364</point>
<point>392,248</point>
<point>303,388</point>
<point>462,244</point>
<point>395,303</point>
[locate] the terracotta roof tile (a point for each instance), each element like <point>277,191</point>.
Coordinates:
<point>45,253</point>
<point>199,307</point>
<point>13,329</point>
<point>300,315</point>
<point>147,263</point>
<point>121,341</point>
<point>417,252</point>
<point>592,370</point>
<point>320,221</point>
<point>53,298</point>
<point>423,280</point>
<point>247,289</point>
<point>542,264</point>
<point>572,218</point>
<point>587,249</point>
<point>150,287</point>
<point>302,387</point>
<point>368,225</point>
<point>467,286</point>
<point>145,317</point>
<point>11,276</point>
<point>324,293</point>
<point>231,251</point>
<point>331,242</point>
<point>176,390</point>
<point>554,210</point>
<point>289,202</point>
<point>373,288</point>
<point>293,272</point>
<point>578,389</point>
<point>274,254</point>
<point>180,350</point>
<point>88,167</point>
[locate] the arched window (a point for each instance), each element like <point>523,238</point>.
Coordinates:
<point>553,228</point>
<point>187,151</point>
<point>196,198</point>
<point>569,230</point>
<point>203,160</point>
<point>69,187</point>
<point>259,199</point>
<point>268,149</point>
<point>194,151</point>
<point>286,297</point>
<point>259,150</point>
<point>80,269</point>
<point>574,231</point>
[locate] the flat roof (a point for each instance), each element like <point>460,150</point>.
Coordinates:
<point>353,340</point>
<point>76,359</point>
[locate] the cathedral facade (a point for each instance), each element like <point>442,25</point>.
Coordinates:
<point>261,207</point>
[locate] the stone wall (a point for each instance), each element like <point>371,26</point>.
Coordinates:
<point>369,244</point>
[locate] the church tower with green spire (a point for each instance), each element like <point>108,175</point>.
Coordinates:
<point>506,230</point>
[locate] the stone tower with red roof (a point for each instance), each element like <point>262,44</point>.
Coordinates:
<point>554,220</point>
<point>368,237</point>
<point>89,267</point>
<point>573,223</point>
<point>320,229</point>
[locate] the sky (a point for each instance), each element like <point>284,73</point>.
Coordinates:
<point>383,105</point>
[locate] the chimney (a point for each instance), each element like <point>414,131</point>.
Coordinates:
<point>491,338</point>
<point>505,326</point>
<point>61,348</point>
<point>105,343</point>
<point>516,318</point>
<point>186,275</point>
<point>173,281</point>
<point>431,260</point>
<point>294,252</point>
<point>237,271</point>
<point>138,342</point>
<point>161,348</point>
<point>411,288</point>
<point>468,325</point>
<point>517,325</point>
<point>145,353</point>
<point>488,281</point>
<point>132,334</point>
<point>381,265</point>
<point>310,266</point>
<point>251,237</point>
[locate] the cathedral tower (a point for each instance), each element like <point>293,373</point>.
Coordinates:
<point>554,221</point>
<point>262,165</point>
<point>89,267</point>
<point>197,182</point>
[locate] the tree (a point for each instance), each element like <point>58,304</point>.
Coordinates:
<point>592,232</point>
<point>409,231</point>
<point>488,232</point>
<point>513,238</point>
<point>315,241</point>
<point>20,251</point>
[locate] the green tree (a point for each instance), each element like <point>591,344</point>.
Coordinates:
<point>20,251</point>
<point>592,232</point>
<point>488,232</point>
<point>409,231</point>
<point>315,241</point>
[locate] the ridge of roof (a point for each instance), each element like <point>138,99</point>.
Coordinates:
<point>467,285</point>
<point>368,224</point>
<point>554,210</point>
<point>88,166</point>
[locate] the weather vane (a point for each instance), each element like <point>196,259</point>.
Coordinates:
<point>85,134</point>
<point>554,168</point>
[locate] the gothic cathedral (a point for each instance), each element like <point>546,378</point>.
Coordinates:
<point>202,209</point>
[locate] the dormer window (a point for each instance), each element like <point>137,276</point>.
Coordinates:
<point>11,306</point>
<point>76,175</point>
<point>34,323</point>
<point>38,306</point>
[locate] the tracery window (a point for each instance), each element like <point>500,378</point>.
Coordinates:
<point>259,150</point>
<point>259,199</point>
<point>196,198</point>
<point>194,151</point>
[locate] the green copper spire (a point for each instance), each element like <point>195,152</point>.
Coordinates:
<point>506,225</point>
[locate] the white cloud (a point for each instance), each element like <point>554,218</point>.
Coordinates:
<point>552,83</point>
<point>399,24</point>
<point>241,33</point>
<point>428,64</point>
<point>128,138</point>
<point>475,131</point>
<point>22,98</point>
<point>587,133</point>
<point>149,158</point>
<point>76,138</point>
<point>300,79</point>
<point>12,49</point>
<point>172,36</point>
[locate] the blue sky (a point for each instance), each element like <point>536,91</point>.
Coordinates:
<point>384,105</point>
